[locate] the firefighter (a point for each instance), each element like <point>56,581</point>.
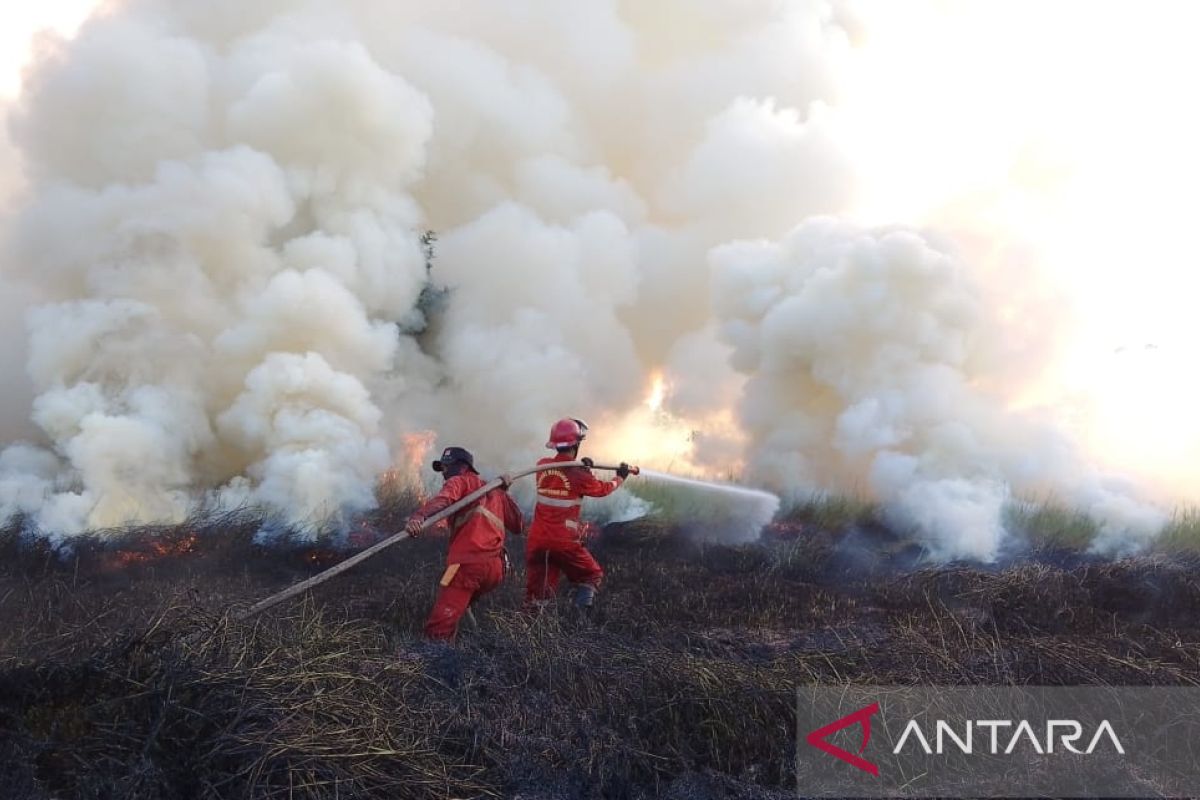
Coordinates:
<point>477,562</point>
<point>555,546</point>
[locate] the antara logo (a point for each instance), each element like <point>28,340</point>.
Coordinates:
<point>996,733</point>
<point>819,738</point>
<point>999,737</point>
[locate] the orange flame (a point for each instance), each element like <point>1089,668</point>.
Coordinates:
<point>155,550</point>
<point>654,435</point>
<point>321,557</point>
<point>658,391</point>
<point>416,448</point>
<point>405,472</point>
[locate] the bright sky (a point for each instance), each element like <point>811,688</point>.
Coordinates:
<point>19,22</point>
<point>1070,127</point>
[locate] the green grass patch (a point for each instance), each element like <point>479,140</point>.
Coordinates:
<point>832,512</point>
<point>1049,524</point>
<point>1182,534</point>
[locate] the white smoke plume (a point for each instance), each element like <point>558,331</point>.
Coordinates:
<point>868,353</point>
<point>224,230</point>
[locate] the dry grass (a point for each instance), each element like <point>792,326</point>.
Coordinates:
<point>1182,534</point>
<point>1049,524</point>
<point>135,683</point>
<point>833,512</point>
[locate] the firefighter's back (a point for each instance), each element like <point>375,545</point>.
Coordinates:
<point>559,500</point>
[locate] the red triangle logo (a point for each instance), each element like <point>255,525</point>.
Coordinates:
<point>818,738</point>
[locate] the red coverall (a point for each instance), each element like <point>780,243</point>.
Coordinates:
<point>554,546</point>
<point>475,564</point>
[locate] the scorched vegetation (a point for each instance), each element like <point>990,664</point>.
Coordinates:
<point>122,674</point>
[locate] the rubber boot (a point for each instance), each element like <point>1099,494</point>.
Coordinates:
<point>584,596</point>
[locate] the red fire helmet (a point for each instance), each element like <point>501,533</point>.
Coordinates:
<point>566,433</point>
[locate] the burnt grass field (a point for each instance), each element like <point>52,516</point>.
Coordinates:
<point>122,674</point>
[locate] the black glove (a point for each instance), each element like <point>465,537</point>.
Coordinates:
<point>587,462</point>
<point>623,471</point>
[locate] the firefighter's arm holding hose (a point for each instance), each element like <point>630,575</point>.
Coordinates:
<point>591,486</point>
<point>452,491</point>
<point>623,470</point>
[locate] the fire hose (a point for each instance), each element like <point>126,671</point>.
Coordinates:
<point>374,549</point>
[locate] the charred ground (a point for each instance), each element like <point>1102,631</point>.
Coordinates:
<point>125,677</point>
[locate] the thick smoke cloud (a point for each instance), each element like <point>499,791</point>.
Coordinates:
<point>17,396</point>
<point>867,352</point>
<point>225,230</point>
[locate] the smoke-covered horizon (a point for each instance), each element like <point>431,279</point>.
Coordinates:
<point>223,231</point>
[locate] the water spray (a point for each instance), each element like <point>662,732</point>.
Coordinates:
<point>737,513</point>
<point>757,495</point>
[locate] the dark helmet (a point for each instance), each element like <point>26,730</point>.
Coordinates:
<point>455,455</point>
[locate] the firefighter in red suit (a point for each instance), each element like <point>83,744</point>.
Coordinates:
<point>476,562</point>
<point>555,546</point>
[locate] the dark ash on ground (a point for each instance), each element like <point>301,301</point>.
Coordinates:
<point>134,683</point>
